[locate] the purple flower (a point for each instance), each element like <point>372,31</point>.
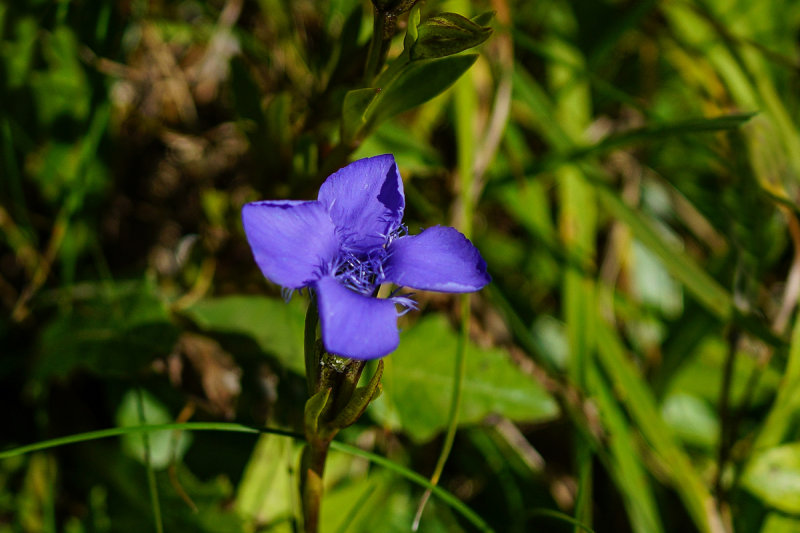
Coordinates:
<point>350,240</point>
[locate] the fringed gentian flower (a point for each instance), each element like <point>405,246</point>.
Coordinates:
<point>348,242</point>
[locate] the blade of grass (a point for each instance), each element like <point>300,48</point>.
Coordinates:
<point>625,464</point>
<point>787,401</point>
<point>638,399</point>
<point>747,77</point>
<point>465,104</point>
<point>696,280</point>
<point>457,505</point>
<point>577,227</point>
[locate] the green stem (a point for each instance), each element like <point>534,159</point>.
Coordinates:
<point>314,456</point>
<point>312,352</point>
<point>377,46</point>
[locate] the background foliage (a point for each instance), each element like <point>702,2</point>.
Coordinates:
<point>629,171</point>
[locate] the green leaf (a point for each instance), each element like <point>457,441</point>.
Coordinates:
<point>62,90</point>
<point>419,376</point>
<point>701,375</point>
<point>114,332</point>
<point>412,31</point>
<point>354,111</point>
<point>691,419</point>
<point>779,523</point>
<point>447,34</point>
<point>415,84</point>
<point>774,477</point>
<point>276,327</point>
<point>412,152</point>
<point>164,446</point>
<point>18,52</point>
<point>264,495</point>
<point>484,18</point>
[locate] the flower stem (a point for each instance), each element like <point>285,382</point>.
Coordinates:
<point>310,347</point>
<point>313,465</point>
<point>377,46</point>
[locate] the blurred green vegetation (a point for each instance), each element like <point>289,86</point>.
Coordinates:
<point>629,170</point>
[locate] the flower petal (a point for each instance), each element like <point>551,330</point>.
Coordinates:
<point>365,200</point>
<point>292,242</point>
<point>438,259</point>
<point>354,325</point>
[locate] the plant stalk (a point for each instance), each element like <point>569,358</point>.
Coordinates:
<point>377,46</point>
<point>314,455</point>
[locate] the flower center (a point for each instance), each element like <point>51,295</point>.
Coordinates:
<point>361,272</point>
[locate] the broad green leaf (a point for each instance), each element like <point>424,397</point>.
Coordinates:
<point>774,477</point>
<point>114,332</point>
<point>419,375</point>
<point>416,83</point>
<point>164,446</point>
<point>276,326</point>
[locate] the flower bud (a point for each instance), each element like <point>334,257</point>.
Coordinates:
<point>447,34</point>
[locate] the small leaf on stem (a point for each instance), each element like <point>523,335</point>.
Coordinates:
<point>447,34</point>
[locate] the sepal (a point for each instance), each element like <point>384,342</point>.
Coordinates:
<point>315,407</point>
<point>359,401</point>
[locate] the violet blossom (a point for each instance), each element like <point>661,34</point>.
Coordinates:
<point>349,241</point>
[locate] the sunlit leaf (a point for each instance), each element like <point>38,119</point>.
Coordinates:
<point>774,477</point>
<point>276,326</point>
<point>419,375</point>
<point>163,447</point>
<point>416,83</point>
